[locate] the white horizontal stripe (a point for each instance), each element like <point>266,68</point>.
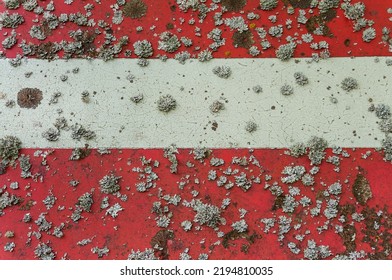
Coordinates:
<point>309,111</point>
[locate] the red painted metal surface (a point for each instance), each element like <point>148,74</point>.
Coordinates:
<point>135,225</point>
<point>166,16</point>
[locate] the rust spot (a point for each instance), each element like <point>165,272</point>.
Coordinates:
<point>3,168</point>
<point>348,236</point>
<point>329,15</point>
<point>278,202</point>
<point>315,22</point>
<point>361,189</point>
<point>214,126</point>
<point>29,97</point>
<point>243,39</point>
<point>27,206</point>
<point>47,51</point>
<point>169,26</point>
<point>159,243</point>
<point>233,5</point>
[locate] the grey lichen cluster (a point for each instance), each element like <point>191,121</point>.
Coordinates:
<point>79,132</point>
<point>217,106</point>
<point>85,202</point>
<point>100,251</point>
<point>383,113</point>
<point>222,71</point>
<point>314,252</point>
<point>7,200</point>
<point>8,20</point>
<point>301,79</point>
<point>170,153</point>
<point>147,254</point>
<point>240,226</point>
<point>293,173</point>
<point>207,214</point>
<point>286,90</point>
<point>42,223</point>
<point>349,84</point>
<point>143,49</point>
<point>166,103</point>
<point>268,5</point>
<point>168,42</point>
<point>9,148</point>
<point>297,150</point>
<point>317,148</point>
<point>52,134</point>
<point>285,51</point>
<point>114,210</point>
<point>109,184</point>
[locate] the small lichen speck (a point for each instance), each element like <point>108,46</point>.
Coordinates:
<point>349,83</point>
<point>286,90</point>
<point>301,79</point>
<point>100,251</point>
<point>222,71</point>
<point>217,106</point>
<point>113,211</point>
<point>250,126</point>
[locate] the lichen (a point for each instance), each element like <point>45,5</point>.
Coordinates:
<point>166,103</point>
<point>301,79</point>
<point>222,71</point>
<point>147,254</point>
<point>349,83</point>
<point>217,106</point>
<point>168,42</point>
<point>143,49</point>
<point>109,184</point>
<point>101,252</point>
<point>317,148</point>
<point>268,5</point>
<point>240,226</point>
<point>286,90</point>
<point>9,148</point>
<point>206,214</point>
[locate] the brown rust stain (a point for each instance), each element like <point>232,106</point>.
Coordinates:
<point>159,243</point>
<point>361,189</point>
<point>243,39</point>
<point>234,235</point>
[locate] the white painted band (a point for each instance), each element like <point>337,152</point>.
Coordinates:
<point>118,122</point>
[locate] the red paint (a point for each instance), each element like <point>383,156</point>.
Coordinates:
<point>136,224</point>
<point>159,14</point>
